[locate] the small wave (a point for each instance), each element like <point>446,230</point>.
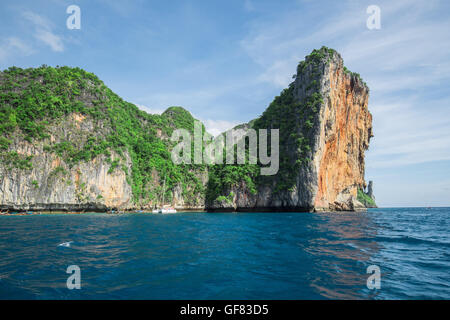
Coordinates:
<point>65,244</point>
<point>410,240</point>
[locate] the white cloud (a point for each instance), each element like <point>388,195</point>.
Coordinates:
<point>50,39</point>
<point>403,64</point>
<point>407,37</point>
<point>44,31</point>
<point>210,101</point>
<point>216,127</point>
<point>12,46</point>
<point>149,110</point>
<point>280,72</point>
<point>162,100</point>
<point>16,43</point>
<point>38,20</point>
<point>410,132</point>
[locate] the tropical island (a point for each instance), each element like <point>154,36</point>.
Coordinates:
<point>68,143</point>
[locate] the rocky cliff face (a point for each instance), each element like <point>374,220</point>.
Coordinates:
<point>68,143</point>
<point>344,131</point>
<point>50,183</point>
<point>323,148</point>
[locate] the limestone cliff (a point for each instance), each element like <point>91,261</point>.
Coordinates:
<point>325,127</point>
<point>344,131</point>
<point>50,183</point>
<point>68,143</point>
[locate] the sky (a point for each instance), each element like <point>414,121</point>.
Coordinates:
<point>225,61</point>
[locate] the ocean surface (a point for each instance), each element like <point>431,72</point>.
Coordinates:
<point>228,255</point>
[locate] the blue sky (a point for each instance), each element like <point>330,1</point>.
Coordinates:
<point>225,61</point>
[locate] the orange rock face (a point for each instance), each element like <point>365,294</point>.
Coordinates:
<point>330,108</point>
<point>345,131</point>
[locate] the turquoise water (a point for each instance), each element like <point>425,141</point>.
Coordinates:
<point>228,255</point>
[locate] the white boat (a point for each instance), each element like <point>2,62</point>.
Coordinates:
<point>168,210</point>
<point>164,209</point>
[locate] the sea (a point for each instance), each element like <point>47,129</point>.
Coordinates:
<point>385,253</point>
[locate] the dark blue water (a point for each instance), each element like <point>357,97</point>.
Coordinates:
<point>228,256</point>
